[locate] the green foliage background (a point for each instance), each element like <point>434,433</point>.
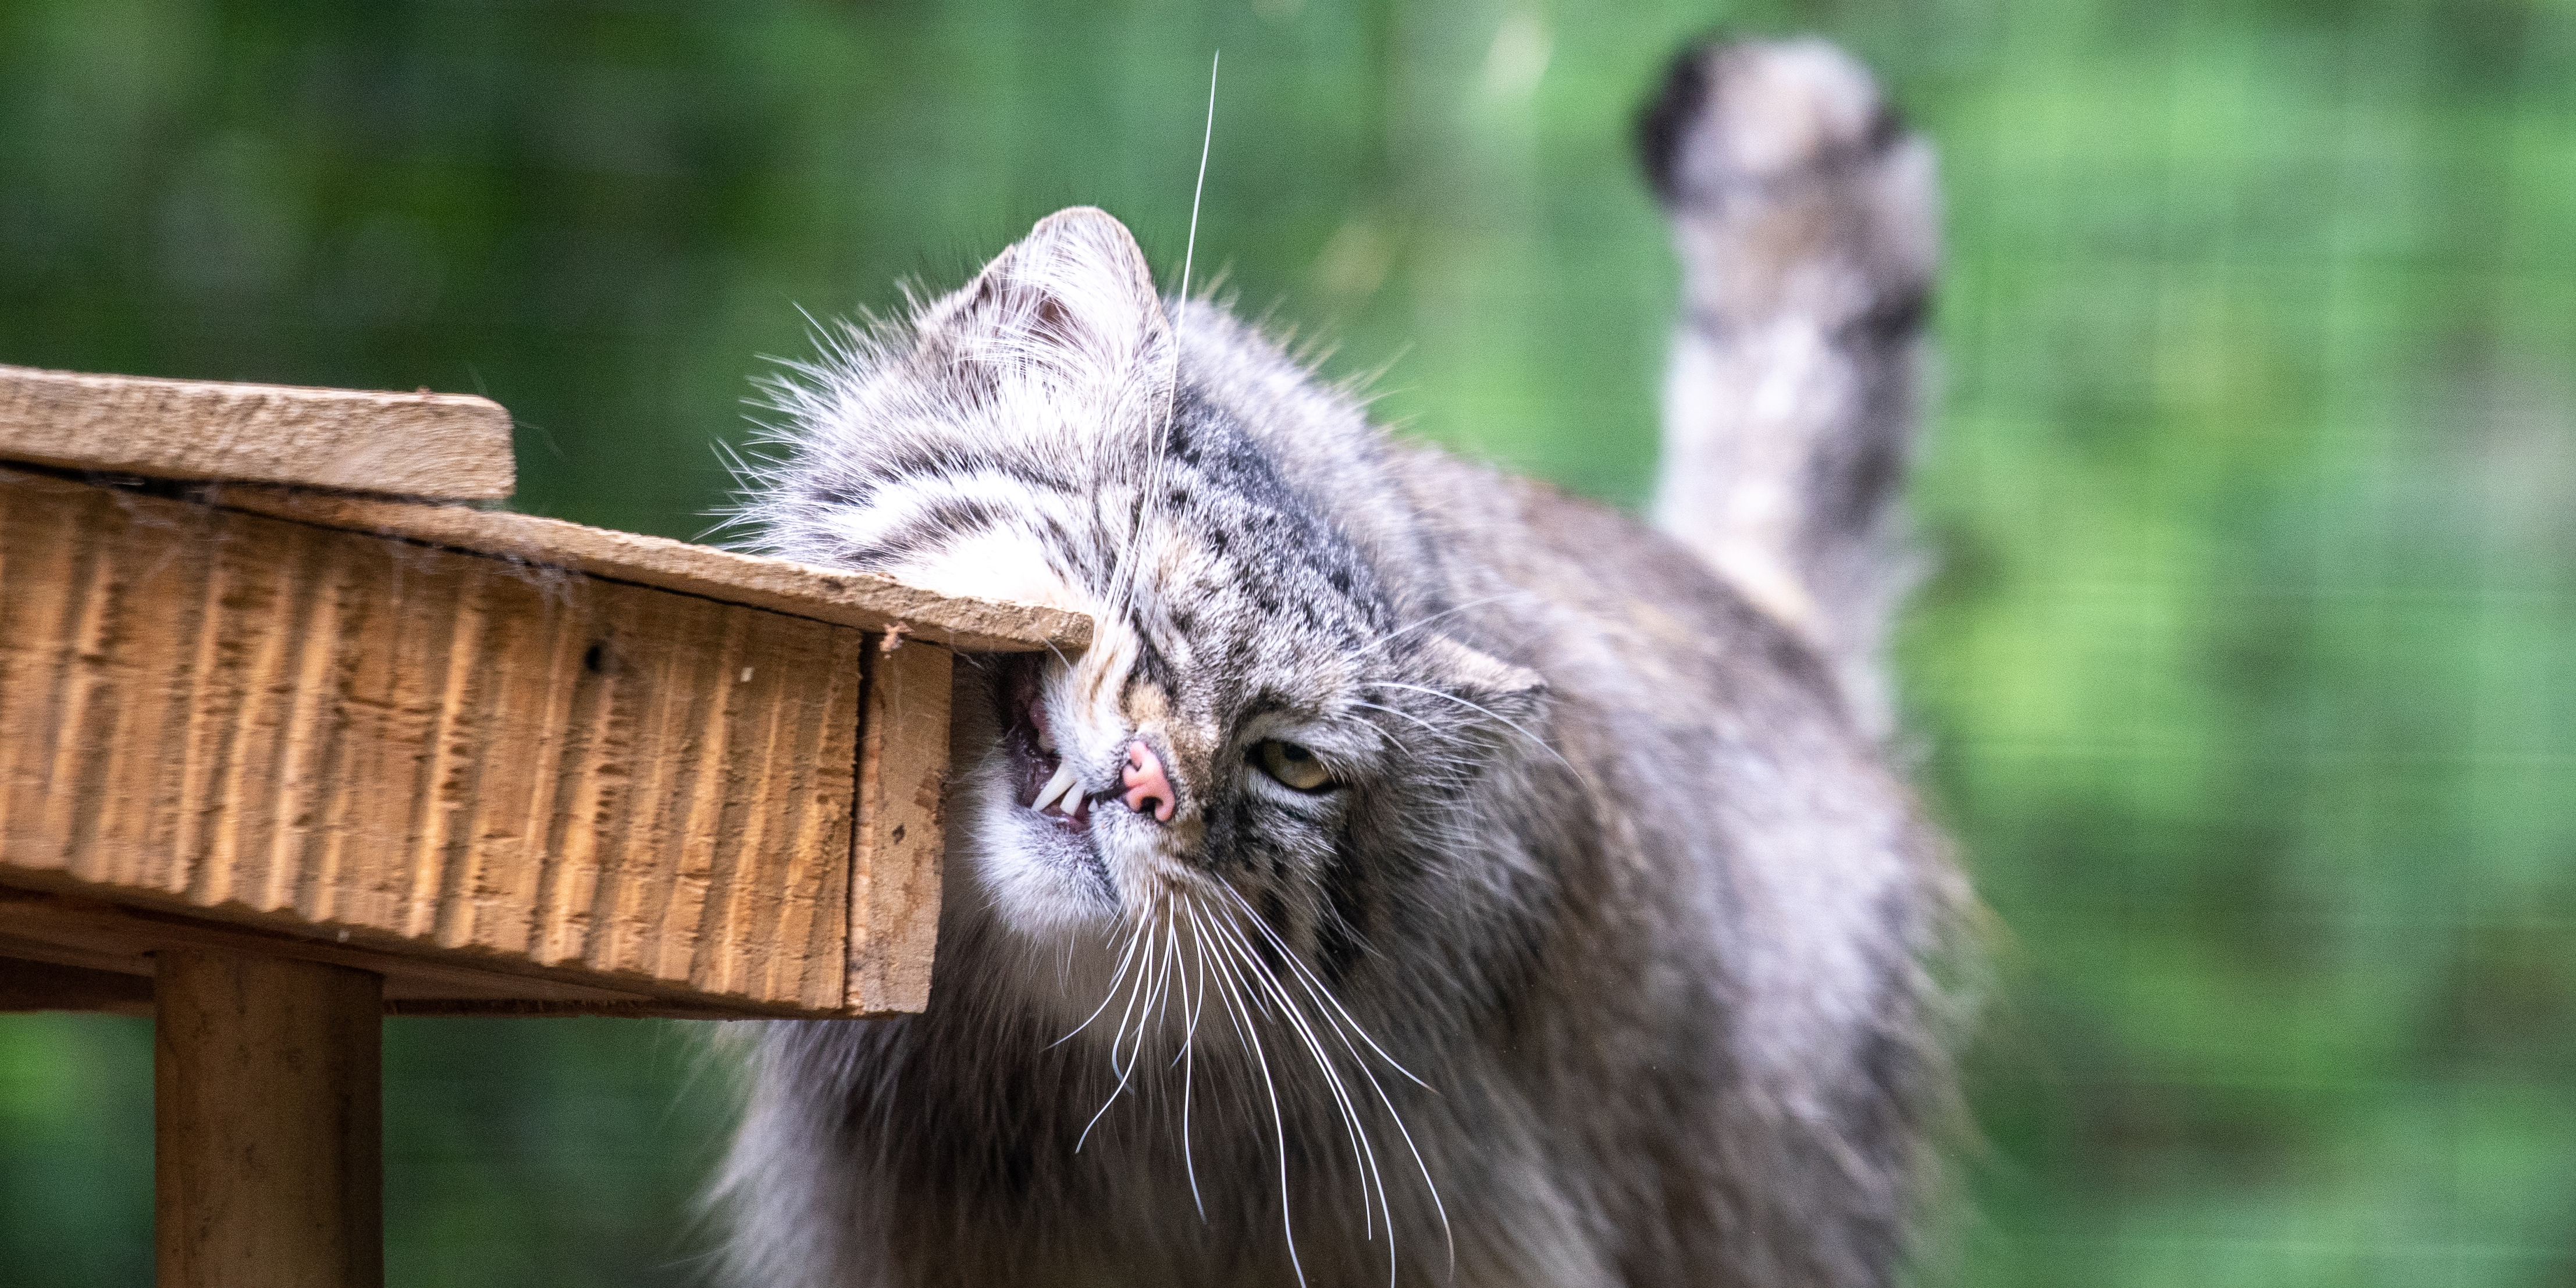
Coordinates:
<point>2241,675</point>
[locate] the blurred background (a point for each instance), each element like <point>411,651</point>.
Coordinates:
<point>2242,673</point>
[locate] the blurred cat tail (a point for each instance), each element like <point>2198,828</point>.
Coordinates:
<point>1807,220</point>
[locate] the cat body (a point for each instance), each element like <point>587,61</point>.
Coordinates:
<point>1425,877</point>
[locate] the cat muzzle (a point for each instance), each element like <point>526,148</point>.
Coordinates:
<point>1148,789</point>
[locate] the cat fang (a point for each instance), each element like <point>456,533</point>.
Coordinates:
<point>1051,820</point>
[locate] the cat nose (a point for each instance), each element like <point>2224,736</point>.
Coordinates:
<point>1149,789</point>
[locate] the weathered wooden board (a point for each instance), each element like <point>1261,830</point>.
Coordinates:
<point>43,933</point>
<point>485,765</point>
<point>903,772</point>
<point>423,444</point>
<point>274,763</point>
<point>869,602</point>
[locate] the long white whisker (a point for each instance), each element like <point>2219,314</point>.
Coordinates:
<point>1488,712</point>
<point>1207,137</point>
<point>1241,1016</point>
<point>1362,1151</point>
<point>1102,1112</point>
<point>1295,1016</point>
<point>1325,995</point>
<point>1417,624</point>
<point>1110,995</point>
<point>1193,1000</point>
<point>1155,993</point>
<point>1380,706</point>
<point>1135,993</point>
<point>1124,591</point>
<point>1429,1185</point>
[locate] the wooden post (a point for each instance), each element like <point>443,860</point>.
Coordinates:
<point>268,1108</point>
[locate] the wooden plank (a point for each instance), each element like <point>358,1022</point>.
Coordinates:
<point>863,600</point>
<point>47,986</point>
<point>268,1123</point>
<point>73,925</point>
<point>420,444</point>
<point>83,954</point>
<point>522,1008</point>
<point>290,727</point>
<point>903,771</point>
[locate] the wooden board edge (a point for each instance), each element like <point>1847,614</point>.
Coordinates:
<point>33,984</point>
<point>48,906</point>
<point>416,444</point>
<point>863,600</point>
<point>492,1008</point>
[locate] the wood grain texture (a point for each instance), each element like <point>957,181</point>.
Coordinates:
<point>84,931</point>
<point>268,1124</point>
<point>903,772</point>
<point>423,444</point>
<point>863,600</point>
<point>307,730</point>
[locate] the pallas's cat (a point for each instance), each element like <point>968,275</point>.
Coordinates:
<point>1424,876</point>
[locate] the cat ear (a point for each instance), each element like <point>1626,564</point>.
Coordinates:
<point>1075,293</point>
<point>1484,684</point>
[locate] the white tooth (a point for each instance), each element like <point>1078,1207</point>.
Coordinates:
<point>1061,785</point>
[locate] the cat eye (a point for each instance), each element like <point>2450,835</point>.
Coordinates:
<point>1292,765</point>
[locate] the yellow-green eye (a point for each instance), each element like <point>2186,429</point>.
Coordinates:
<point>1292,765</point>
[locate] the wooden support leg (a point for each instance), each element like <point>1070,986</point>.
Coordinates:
<point>268,1104</point>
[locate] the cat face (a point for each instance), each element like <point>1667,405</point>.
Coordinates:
<point>1260,722</point>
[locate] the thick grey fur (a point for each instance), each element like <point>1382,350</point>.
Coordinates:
<point>1615,863</point>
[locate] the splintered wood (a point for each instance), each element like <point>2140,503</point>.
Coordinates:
<point>367,746</point>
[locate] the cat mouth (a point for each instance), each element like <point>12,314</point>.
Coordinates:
<point>1041,780</point>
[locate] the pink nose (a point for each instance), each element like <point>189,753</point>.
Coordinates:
<point>1149,789</point>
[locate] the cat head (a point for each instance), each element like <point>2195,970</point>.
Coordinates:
<point>1270,719</point>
